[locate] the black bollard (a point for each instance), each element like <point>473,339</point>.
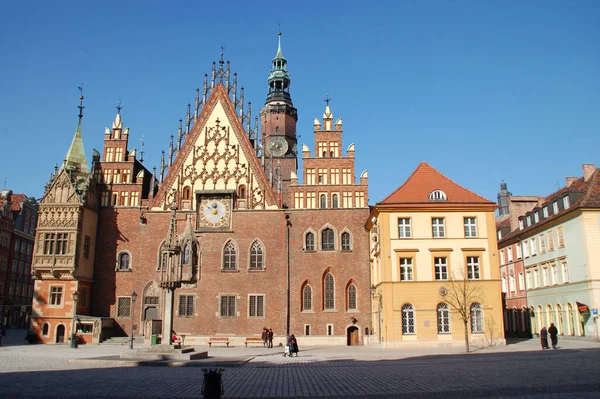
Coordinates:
<point>212,386</point>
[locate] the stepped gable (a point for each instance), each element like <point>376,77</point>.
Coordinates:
<point>423,181</point>
<point>185,166</point>
<point>16,200</point>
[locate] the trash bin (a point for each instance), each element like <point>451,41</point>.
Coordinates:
<point>212,386</point>
<point>154,339</point>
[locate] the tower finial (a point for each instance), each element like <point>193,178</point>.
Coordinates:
<point>81,106</point>
<point>119,108</point>
<point>279,37</point>
<point>327,99</point>
<point>222,61</point>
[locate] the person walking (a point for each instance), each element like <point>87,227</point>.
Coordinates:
<point>293,345</point>
<point>265,336</point>
<point>553,331</point>
<point>270,336</point>
<point>287,350</point>
<point>544,338</point>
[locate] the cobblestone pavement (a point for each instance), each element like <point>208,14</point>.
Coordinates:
<point>516,371</point>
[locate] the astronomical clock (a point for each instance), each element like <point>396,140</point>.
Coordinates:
<point>214,211</point>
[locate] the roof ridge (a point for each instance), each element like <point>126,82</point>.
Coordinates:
<point>405,181</point>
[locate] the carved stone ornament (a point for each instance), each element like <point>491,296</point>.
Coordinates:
<point>443,291</point>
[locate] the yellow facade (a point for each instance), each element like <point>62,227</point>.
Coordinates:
<point>423,289</point>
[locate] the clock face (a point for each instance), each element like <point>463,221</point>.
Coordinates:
<point>214,212</point>
<point>277,146</point>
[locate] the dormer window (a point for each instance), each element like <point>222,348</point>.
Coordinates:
<point>528,220</point>
<point>555,207</point>
<point>566,203</point>
<point>545,211</point>
<point>521,224</point>
<point>536,217</point>
<point>438,195</point>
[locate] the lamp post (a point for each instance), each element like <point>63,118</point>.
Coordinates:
<point>133,299</point>
<point>377,296</point>
<point>73,339</point>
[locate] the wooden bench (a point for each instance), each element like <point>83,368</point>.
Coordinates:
<point>218,340</point>
<point>254,340</point>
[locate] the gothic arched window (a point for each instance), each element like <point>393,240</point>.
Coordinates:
<point>327,240</point>
<point>334,201</point>
<point>186,254</point>
<point>229,256</point>
<point>329,292</point>
<point>323,201</point>
<point>345,241</point>
<point>186,192</point>
<point>256,255</point>
<point>351,297</point>
<point>307,298</point>
<point>309,242</point>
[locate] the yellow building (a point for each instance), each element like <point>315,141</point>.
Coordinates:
<point>431,241</point>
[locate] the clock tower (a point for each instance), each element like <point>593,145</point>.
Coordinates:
<point>278,126</point>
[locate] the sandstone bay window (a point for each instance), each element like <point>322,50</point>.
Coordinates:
<point>227,306</point>
<point>56,243</point>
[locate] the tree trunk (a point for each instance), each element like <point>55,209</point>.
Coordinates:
<point>466,336</point>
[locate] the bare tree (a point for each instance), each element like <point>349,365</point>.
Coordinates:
<point>460,293</point>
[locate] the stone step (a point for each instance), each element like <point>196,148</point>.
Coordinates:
<point>164,356</point>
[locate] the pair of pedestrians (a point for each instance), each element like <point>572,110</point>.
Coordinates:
<point>267,337</point>
<point>291,346</point>
<point>553,331</point>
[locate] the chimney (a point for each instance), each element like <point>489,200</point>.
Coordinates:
<point>570,180</point>
<point>588,170</point>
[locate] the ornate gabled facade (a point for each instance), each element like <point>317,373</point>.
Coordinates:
<point>214,244</point>
<point>63,259</point>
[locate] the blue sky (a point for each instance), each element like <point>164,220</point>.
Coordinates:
<point>482,90</point>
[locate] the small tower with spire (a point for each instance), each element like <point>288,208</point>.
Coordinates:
<point>75,160</point>
<point>503,197</point>
<point>278,126</point>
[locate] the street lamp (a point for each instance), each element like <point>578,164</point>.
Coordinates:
<point>377,295</point>
<point>133,299</point>
<point>73,339</point>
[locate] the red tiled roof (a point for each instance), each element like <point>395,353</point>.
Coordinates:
<point>589,199</point>
<point>15,201</point>
<point>423,181</point>
<point>503,221</point>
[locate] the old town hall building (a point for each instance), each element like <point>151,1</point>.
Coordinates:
<point>223,240</point>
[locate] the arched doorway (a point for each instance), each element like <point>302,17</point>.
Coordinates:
<point>60,334</point>
<point>151,309</point>
<point>352,335</point>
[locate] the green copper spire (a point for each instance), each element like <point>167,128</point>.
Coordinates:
<point>75,160</point>
<point>279,78</point>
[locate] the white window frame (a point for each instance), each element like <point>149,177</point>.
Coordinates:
<point>509,254</point>
<point>438,228</point>
<point>473,268</point>
<point>404,230</point>
<point>406,269</point>
<point>470,224</point>
<point>555,207</point>
<point>441,264</point>
<point>566,202</point>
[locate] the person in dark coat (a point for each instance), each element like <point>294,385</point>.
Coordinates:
<point>544,338</point>
<point>553,331</point>
<point>265,336</point>
<point>293,345</point>
<point>270,336</point>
